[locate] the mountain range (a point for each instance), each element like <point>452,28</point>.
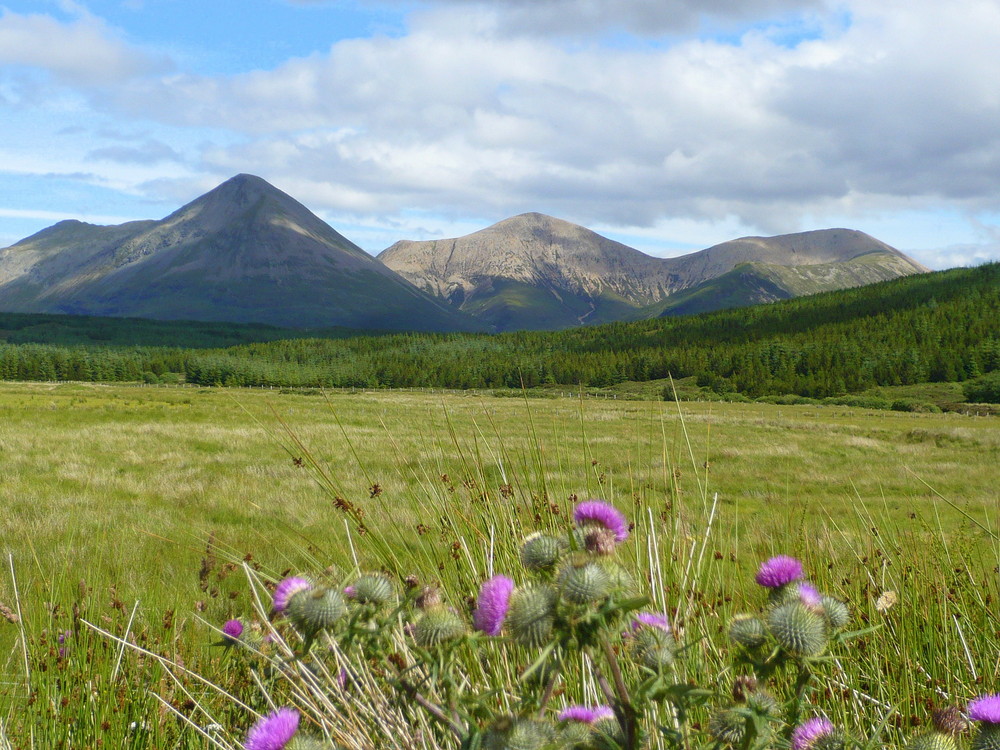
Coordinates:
<point>247,252</point>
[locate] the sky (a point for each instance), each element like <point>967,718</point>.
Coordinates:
<point>670,125</point>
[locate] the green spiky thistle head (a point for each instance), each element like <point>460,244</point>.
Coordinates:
<point>836,613</point>
<point>436,626</point>
<point>541,552</point>
<point>509,733</point>
<point>372,589</point>
<point>931,741</point>
<point>798,629</point>
<point>316,609</point>
<point>531,614</point>
<point>584,581</point>
<point>748,631</point>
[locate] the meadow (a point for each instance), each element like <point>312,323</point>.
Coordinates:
<point>152,512</point>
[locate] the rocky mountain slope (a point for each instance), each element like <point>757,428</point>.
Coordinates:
<point>535,271</point>
<point>244,252</point>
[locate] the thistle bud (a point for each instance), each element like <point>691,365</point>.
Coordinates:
<point>438,625</point>
<point>583,582</point>
<point>372,589</point>
<point>727,727</point>
<point>797,629</point>
<point>607,734</point>
<point>541,552</point>
<point>747,631</point>
<point>743,686</point>
<point>599,541</point>
<point>429,598</point>
<point>654,648</point>
<point>949,720</point>
<point>763,703</point>
<point>313,610</point>
<point>835,612</point>
<point>510,733</point>
<point>308,743</point>
<point>931,741</point>
<point>530,615</point>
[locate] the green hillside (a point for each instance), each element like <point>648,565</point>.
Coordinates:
<point>938,327</point>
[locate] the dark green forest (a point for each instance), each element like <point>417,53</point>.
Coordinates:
<point>938,327</point>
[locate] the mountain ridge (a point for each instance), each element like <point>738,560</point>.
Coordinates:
<point>498,272</point>
<point>247,252</point>
<point>243,252</point>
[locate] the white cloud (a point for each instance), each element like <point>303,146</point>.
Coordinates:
<point>481,109</point>
<point>84,51</point>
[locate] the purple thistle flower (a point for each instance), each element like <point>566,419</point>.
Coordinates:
<point>601,513</point>
<point>350,592</point>
<point>778,571</point>
<point>651,620</point>
<point>491,608</point>
<point>274,731</point>
<point>809,595</point>
<point>287,589</point>
<point>806,734</point>
<point>232,630</point>
<point>985,708</point>
<point>586,714</point>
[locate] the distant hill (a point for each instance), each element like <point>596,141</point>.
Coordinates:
<point>535,271</point>
<point>244,252</point>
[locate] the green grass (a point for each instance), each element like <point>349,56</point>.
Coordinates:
<point>111,495</point>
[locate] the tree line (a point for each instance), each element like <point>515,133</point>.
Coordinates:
<point>929,328</point>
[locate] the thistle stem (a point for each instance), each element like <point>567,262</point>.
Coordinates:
<point>433,709</point>
<point>627,716</point>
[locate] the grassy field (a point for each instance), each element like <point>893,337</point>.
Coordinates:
<point>132,507</point>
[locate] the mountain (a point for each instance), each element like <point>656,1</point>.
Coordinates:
<point>243,252</point>
<point>535,271</point>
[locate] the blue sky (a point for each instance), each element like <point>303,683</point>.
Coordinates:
<point>669,125</point>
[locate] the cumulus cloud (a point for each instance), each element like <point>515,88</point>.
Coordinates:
<point>84,51</point>
<point>479,110</point>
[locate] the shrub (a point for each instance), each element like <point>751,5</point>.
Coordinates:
<point>984,390</point>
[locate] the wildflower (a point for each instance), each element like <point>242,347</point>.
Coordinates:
<point>286,590</point>
<point>651,620</point>
<point>274,731</point>
<point>600,513</point>
<point>492,606</point>
<point>779,571</point>
<point>887,601</point>
<point>586,714</point>
<point>232,630</point>
<point>809,596</point>
<point>652,642</point>
<point>985,708</point>
<point>807,733</point>
<point>350,592</point>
